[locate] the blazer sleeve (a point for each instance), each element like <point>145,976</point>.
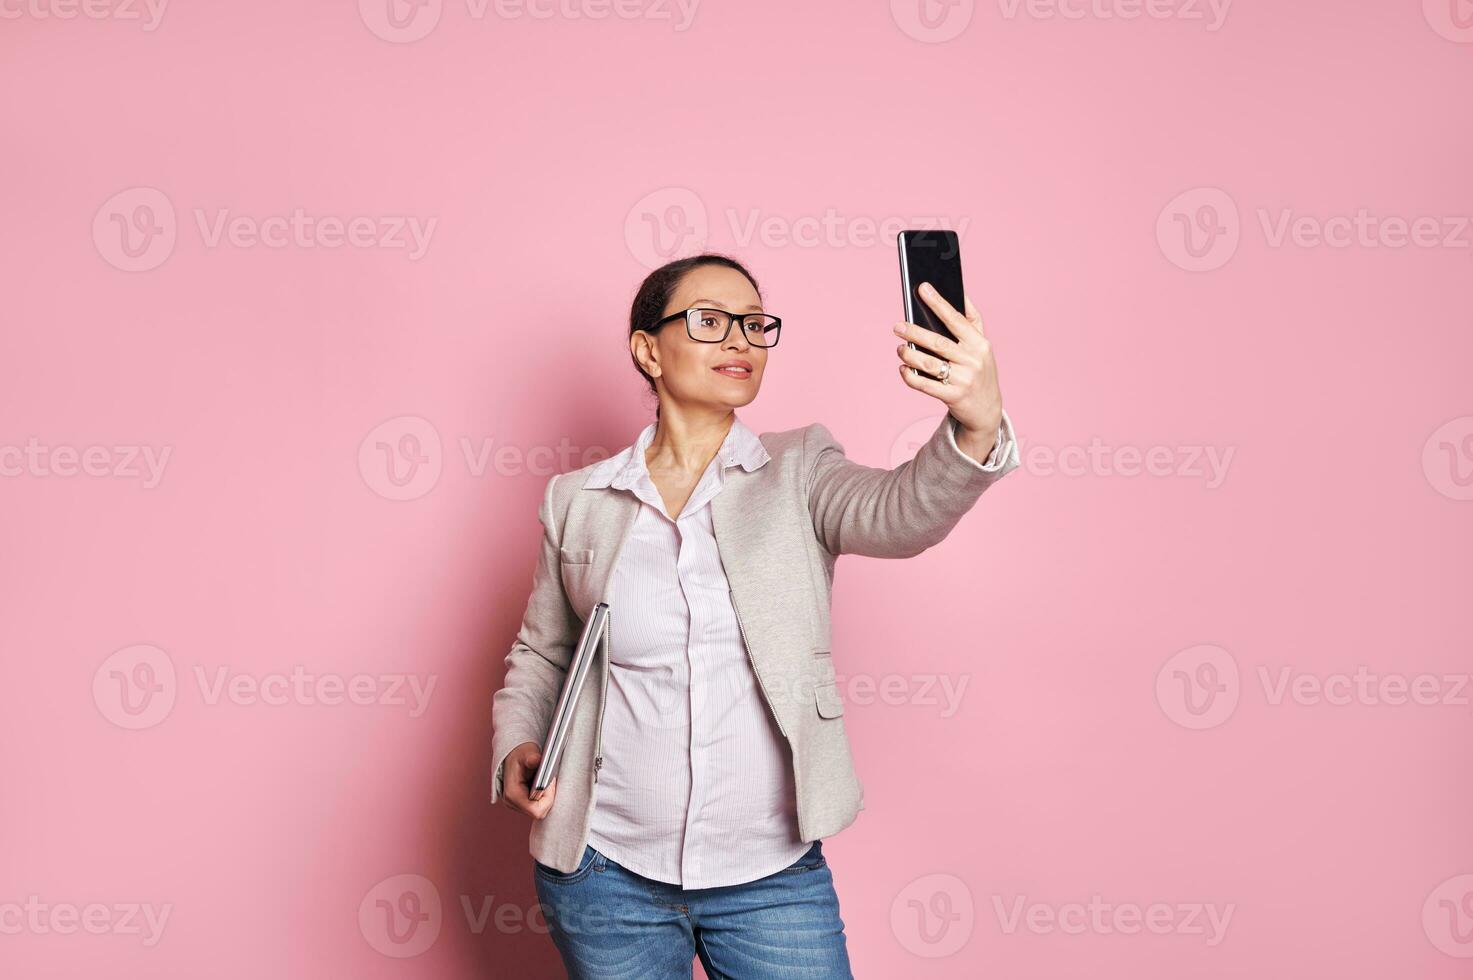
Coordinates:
<point>539,657</point>
<point>867,510</point>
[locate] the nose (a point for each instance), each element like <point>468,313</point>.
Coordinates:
<point>736,339</point>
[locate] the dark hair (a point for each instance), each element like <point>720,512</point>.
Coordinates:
<point>656,290</point>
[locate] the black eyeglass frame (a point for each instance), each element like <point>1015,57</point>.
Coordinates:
<point>776,325</point>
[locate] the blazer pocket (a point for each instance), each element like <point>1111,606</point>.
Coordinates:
<point>826,697</point>
<point>581,556</point>
<point>825,685</point>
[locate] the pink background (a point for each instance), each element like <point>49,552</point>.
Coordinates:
<point>545,150</point>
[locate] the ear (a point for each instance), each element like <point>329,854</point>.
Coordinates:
<point>642,346</point>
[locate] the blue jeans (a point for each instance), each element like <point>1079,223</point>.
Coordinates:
<point>610,923</point>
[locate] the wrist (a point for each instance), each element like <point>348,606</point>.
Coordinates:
<point>978,442</point>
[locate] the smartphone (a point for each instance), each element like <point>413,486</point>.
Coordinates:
<point>932,256</point>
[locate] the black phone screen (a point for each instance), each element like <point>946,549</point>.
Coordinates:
<point>932,256</point>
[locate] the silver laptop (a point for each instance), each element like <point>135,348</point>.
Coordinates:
<point>595,630</point>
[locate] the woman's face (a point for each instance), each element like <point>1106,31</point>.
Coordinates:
<point>693,372</point>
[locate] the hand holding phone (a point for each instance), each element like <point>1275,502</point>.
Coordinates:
<point>948,338</point>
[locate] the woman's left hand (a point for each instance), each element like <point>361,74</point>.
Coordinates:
<point>970,392</point>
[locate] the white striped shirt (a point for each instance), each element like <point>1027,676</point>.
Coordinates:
<point>696,787</point>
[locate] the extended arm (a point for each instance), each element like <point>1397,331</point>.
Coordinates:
<point>867,510</point>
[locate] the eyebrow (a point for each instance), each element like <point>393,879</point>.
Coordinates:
<point>754,308</point>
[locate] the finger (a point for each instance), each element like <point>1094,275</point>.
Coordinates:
<point>973,316</point>
<point>932,341</point>
<point>959,324</point>
<point>540,808</point>
<point>944,393</point>
<point>920,359</point>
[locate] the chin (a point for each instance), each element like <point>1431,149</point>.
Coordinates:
<point>738,399</point>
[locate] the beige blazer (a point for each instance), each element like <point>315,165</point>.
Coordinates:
<point>779,529</point>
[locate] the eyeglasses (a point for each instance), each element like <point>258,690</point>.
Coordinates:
<point>712,326</point>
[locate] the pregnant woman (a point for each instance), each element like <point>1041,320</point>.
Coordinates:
<point>707,757</point>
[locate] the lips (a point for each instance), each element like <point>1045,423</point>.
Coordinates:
<point>734,369</point>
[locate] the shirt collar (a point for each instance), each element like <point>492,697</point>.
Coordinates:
<point>741,448</point>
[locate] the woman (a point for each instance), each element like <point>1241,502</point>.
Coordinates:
<point>697,786</point>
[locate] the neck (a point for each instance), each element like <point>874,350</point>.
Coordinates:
<point>686,441</point>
